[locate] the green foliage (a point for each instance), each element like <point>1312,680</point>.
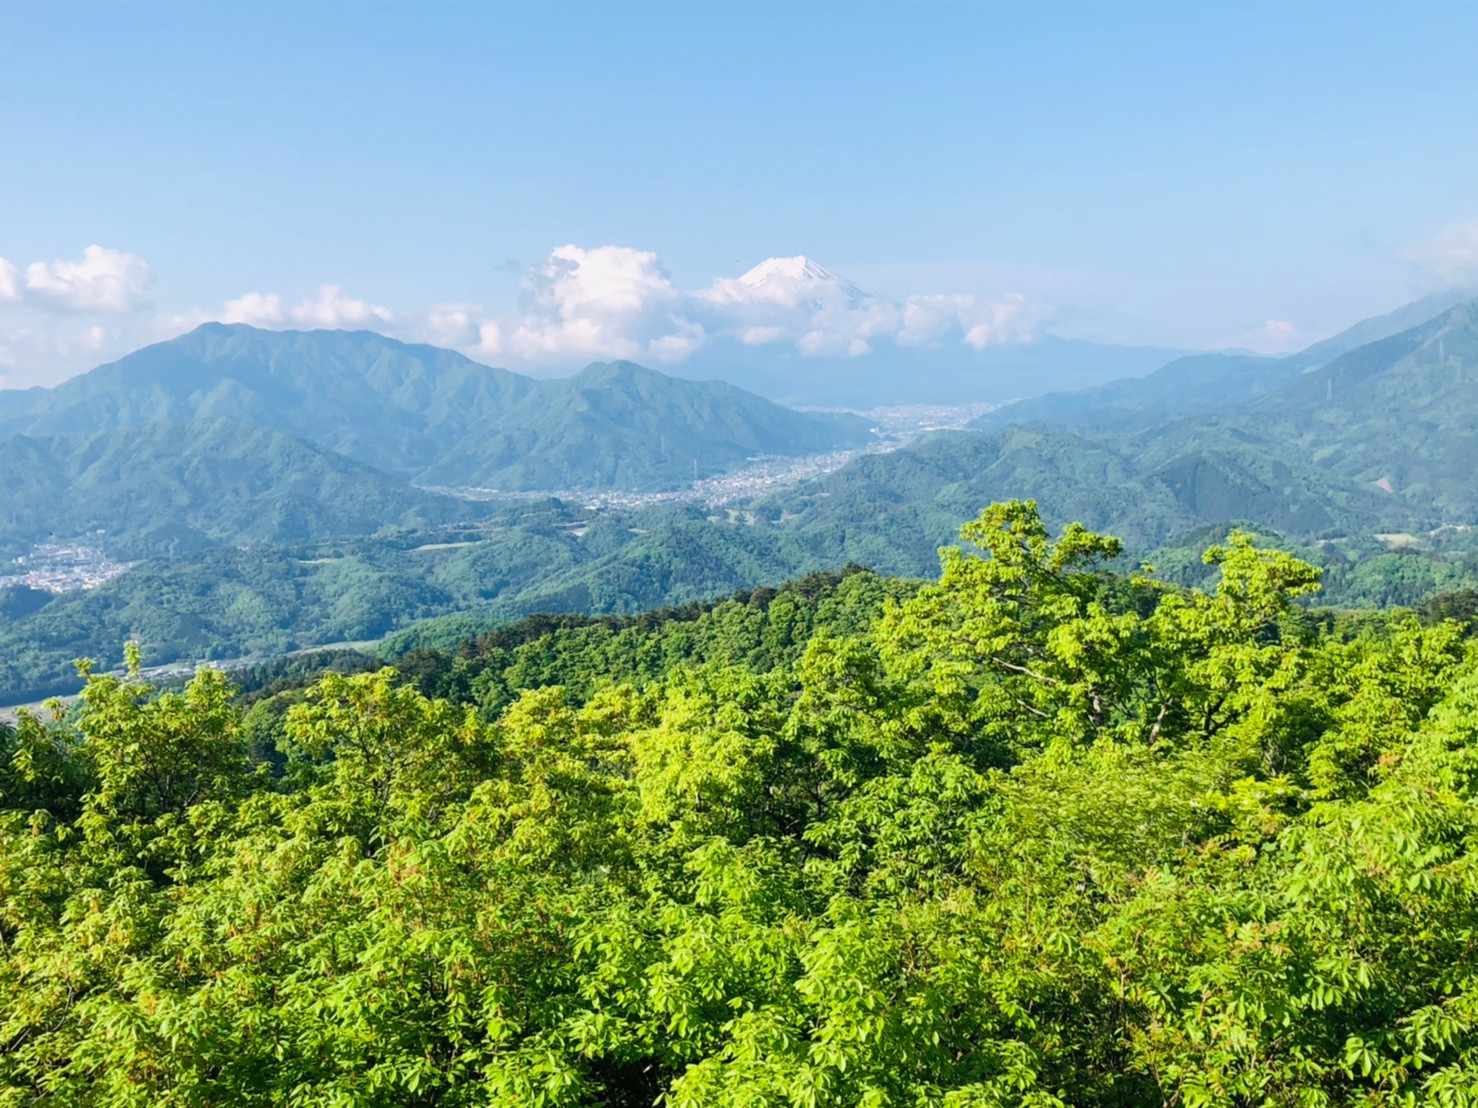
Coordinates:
<point>1026,835</point>
<point>1387,406</point>
<point>173,488</point>
<point>1355,454</point>
<point>891,510</point>
<point>1205,383</point>
<point>427,414</point>
<point>223,605</point>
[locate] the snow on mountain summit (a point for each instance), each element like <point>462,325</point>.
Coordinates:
<point>798,268</point>
<point>800,275</point>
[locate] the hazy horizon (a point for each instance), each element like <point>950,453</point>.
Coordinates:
<point>543,187</point>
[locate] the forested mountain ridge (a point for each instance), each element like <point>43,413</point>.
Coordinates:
<point>1383,326</point>
<point>265,600</point>
<point>889,511</point>
<point>926,487</point>
<point>413,410</point>
<point>1399,414</point>
<point>1402,412</point>
<point>354,392</point>
<point>621,425</point>
<point>1200,384</point>
<point>168,488</point>
<point>1396,417</point>
<point>1311,463</point>
<point>1025,834</point>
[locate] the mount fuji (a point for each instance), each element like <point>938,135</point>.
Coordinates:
<point>801,278</point>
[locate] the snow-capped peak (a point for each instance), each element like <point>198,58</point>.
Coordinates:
<point>798,272</point>
<point>799,268</point>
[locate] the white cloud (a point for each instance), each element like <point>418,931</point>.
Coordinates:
<point>460,326</point>
<point>331,310</point>
<point>104,281</point>
<point>453,325</point>
<point>678,345</point>
<point>973,320</point>
<point>617,302</point>
<point>931,318</point>
<point>1451,254</point>
<point>489,340</point>
<point>820,343</point>
<point>579,304</point>
<point>254,308</point>
<point>609,302</point>
<point>43,354</point>
<point>334,310</point>
<point>10,282</point>
<point>1279,335</point>
<point>797,301</point>
<point>759,336</point>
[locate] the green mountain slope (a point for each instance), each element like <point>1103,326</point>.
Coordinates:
<point>267,600</point>
<point>1383,326</point>
<point>620,425</point>
<point>1025,834</point>
<point>1401,412</point>
<point>1220,478</point>
<point>906,502</point>
<point>1383,436</point>
<point>1205,383</point>
<point>381,402</point>
<point>432,415</point>
<point>1311,460</point>
<point>891,512</point>
<point>1196,383</point>
<point>169,487</point>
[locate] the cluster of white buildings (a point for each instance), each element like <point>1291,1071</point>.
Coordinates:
<point>63,567</point>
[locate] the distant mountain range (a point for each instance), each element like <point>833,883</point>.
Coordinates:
<point>168,488</point>
<point>1204,383</point>
<point>893,511</point>
<point>419,413</point>
<point>1382,437</point>
<point>231,434</point>
<point>290,445</point>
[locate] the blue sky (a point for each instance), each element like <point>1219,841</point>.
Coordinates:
<point>1192,174</point>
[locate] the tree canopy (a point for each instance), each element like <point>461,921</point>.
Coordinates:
<point>1030,834</point>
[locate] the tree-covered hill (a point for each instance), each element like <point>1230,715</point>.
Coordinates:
<point>1379,439</point>
<point>924,489</point>
<point>1201,384</point>
<point>432,415</point>
<point>619,425</point>
<point>1357,463</point>
<point>446,583</point>
<point>1402,412</point>
<point>227,603</point>
<point>381,402</point>
<point>167,488</point>
<point>1395,417</point>
<point>1028,834</point>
